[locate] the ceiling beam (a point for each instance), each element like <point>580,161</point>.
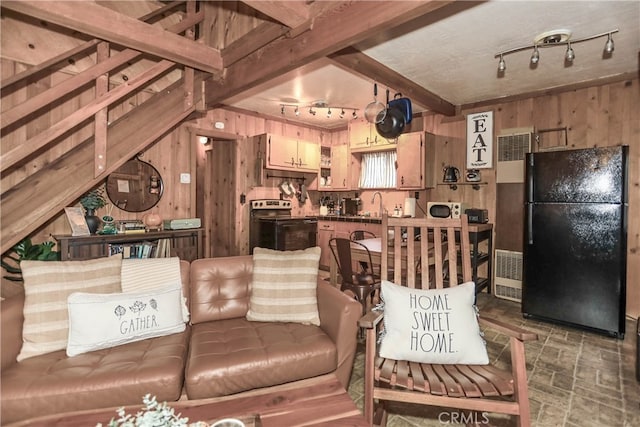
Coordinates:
<point>333,30</point>
<point>259,37</point>
<point>356,61</point>
<point>104,23</point>
<point>290,13</point>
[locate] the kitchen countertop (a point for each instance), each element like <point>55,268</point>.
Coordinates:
<point>350,218</point>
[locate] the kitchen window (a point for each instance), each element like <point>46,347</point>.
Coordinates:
<point>378,170</point>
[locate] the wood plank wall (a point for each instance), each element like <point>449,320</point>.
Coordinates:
<point>595,116</point>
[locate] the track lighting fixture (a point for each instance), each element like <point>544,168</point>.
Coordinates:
<point>556,38</point>
<point>315,106</point>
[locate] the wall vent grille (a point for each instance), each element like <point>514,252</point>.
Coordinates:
<point>508,276</point>
<point>512,145</point>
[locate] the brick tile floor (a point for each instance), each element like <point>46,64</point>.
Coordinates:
<point>576,378</point>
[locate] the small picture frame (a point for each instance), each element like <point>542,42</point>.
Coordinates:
<point>78,224</point>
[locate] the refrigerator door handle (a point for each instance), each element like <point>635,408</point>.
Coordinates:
<point>530,223</point>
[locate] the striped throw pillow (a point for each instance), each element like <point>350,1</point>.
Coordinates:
<point>47,285</point>
<point>144,274</point>
<point>284,286</point>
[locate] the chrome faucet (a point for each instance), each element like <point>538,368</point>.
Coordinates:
<point>381,208</point>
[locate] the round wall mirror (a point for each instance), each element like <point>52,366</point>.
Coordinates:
<point>135,187</point>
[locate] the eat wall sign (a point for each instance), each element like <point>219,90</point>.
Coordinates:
<point>480,140</point>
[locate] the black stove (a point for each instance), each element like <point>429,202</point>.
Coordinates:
<point>273,227</point>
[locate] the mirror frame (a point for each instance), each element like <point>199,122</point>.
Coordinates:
<point>115,180</point>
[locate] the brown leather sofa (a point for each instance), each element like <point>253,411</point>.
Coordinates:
<point>220,353</point>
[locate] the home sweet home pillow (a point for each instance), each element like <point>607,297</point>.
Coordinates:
<point>47,285</point>
<point>432,326</point>
<point>284,286</point>
<point>104,321</point>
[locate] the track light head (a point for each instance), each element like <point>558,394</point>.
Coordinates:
<point>282,110</point>
<point>312,111</point>
<point>609,46</point>
<point>329,113</point>
<point>297,111</point>
<point>570,55</point>
<point>342,113</point>
<point>502,66</point>
<point>535,56</point>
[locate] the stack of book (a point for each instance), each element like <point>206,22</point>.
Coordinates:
<point>131,227</point>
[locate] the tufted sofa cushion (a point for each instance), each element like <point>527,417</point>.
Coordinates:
<point>230,354</point>
<point>233,355</point>
<point>117,376</point>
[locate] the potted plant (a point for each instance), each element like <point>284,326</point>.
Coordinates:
<point>91,201</point>
<point>25,250</point>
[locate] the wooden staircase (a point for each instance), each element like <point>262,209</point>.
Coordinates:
<point>48,162</point>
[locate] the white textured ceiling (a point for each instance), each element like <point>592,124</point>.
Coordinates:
<point>455,58</point>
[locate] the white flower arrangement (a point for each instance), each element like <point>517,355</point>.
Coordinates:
<point>157,414</point>
<point>153,415</point>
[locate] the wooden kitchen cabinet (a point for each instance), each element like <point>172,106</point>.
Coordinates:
<point>334,168</point>
<point>286,153</point>
<point>363,137</point>
<point>416,165</point>
<point>326,231</point>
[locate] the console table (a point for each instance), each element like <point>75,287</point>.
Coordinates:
<point>185,244</point>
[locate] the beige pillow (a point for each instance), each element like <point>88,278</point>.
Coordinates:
<point>284,286</point>
<point>47,285</point>
<point>143,274</point>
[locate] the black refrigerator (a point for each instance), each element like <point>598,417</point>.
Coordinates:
<point>575,243</point>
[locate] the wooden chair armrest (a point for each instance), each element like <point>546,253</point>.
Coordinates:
<point>507,329</point>
<point>371,319</point>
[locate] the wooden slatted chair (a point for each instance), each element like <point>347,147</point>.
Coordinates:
<point>484,388</point>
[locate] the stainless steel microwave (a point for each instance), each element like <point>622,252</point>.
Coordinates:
<point>445,209</point>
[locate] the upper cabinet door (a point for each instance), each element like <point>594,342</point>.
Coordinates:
<point>308,158</point>
<point>339,167</point>
<point>283,152</point>
<point>286,153</point>
<point>410,158</point>
<point>359,135</point>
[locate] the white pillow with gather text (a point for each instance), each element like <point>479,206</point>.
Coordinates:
<point>432,325</point>
<point>104,321</point>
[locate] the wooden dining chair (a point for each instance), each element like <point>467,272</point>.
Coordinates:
<point>470,387</point>
<point>363,283</point>
<point>361,235</point>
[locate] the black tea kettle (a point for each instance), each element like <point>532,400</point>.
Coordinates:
<point>451,174</point>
